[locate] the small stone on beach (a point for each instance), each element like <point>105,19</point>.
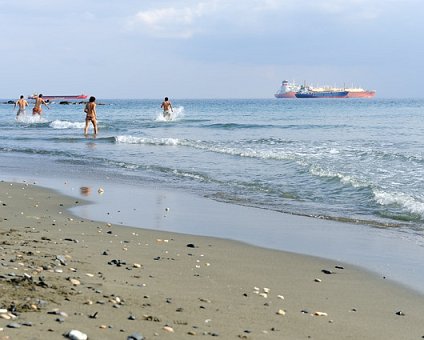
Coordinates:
<point>168,329</point>
<point>75,282</point>
<point>281,312</point>
<point>135,336</point>
<point>76,335</point>
<point>13,325</point>
<point>320,314</point>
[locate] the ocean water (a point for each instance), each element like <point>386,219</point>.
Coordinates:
<point>353,160</point>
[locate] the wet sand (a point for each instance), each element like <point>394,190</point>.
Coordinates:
<point>59,272</point>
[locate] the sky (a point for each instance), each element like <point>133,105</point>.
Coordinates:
<point>209,48</point>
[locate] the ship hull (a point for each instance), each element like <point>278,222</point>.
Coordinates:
<point>80,96</point>
<point>290,94</point>
<point>362,94</point>
<point>323,94</point>
<point>287,90</point>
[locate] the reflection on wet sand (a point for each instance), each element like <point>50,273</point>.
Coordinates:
<point>85,191</point>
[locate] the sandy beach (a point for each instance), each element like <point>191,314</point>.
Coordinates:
<point>60,274</point>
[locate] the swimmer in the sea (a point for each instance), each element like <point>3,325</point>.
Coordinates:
<point>37,107</point>
<point>22,104</point>
<point>167,108</point>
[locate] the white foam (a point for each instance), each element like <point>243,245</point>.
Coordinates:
<point>343,178</point>
<point>31,119</point>
<point>176,114</point>
<point>411,204</point>
<point>63,124</point>
<point>144,140</point>
<point>189,175</point>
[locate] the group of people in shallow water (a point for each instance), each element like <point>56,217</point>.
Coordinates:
<point>90,110</point>
<point>22,104</point>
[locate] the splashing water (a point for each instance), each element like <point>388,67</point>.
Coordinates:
<point>176,114</point>
<point>33,119</point>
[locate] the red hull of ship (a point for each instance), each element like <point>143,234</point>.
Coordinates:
<point>364,94</point>
<point>291,94</point>
<point>80,96</point>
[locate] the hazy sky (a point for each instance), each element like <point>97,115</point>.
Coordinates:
<point>209,48</point>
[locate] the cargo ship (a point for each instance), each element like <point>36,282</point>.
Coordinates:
<point>287,90</point>
<point>67,97</point>
<point>292,90</point>
<point>307,92</point>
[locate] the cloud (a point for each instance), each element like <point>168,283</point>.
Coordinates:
<point>171,22</point>
<point>185,19</point>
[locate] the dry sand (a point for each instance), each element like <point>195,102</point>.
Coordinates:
<point>60,273</point>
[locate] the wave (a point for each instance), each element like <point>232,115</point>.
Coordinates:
<point>187,174</point>
<point>190,175</point>
<point>64,139</point>
<point>145,140</point>
<point>38,151</point>
<point>278,150</point>
<point>233,151</point>
<point>235,126</point>
<point>406,202</point>
<point>343,178</point>
<point>63,124</point>
<point>278,154</point>
<point>403,202</point>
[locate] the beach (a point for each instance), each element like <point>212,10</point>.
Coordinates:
<point>60,273</point>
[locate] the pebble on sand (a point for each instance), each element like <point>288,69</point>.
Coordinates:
<point>320,314</point>
<point>281,312</point>
<point>135,336</point>
<point>168,329</point>
<point>76,335</point>
<point>75,282</point>
<point>13,325</point>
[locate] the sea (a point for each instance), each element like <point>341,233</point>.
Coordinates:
<point>356,161</point>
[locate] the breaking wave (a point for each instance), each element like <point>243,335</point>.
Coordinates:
<point>404,201</point>
<point>343,178</point>
<point>63,124</point>
<point>147,141</point>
